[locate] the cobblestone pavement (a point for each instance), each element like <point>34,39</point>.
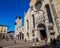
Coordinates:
<point>46,46</point>
<point>19,44</point>
<point>5,43</point>
<point>11,44</point>
<point>22,44</point>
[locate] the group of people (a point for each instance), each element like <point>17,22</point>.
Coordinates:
<point>53,41</point>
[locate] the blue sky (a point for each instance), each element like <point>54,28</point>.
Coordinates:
<point>9,9</point>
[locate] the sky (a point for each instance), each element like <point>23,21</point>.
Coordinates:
<point>9,9</point>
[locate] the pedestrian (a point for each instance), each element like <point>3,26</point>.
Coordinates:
<point>25,39</point>
<point>36,39</point>
<point>6,37</point>
<point>46,42</point>
<point>51,41</point>
<point>54,43</point>
<point>14,41</point>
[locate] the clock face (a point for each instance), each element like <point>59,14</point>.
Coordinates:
<point>38,5</point>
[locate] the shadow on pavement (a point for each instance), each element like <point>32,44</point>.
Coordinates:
<point>45,46</point>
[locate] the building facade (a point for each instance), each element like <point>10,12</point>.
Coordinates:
<point>10,35</point>
<point>41,21</point>
<point>3,31</point>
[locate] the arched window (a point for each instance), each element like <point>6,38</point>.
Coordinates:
<point>38,5</point>
<point>33,20</point>
<point>38,2</point>
<point>49,13</point>
<point>41,25</point>
<point>27,24</point>
<point>28,35</point>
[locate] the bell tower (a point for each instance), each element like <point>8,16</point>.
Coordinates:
<point>18,24</point>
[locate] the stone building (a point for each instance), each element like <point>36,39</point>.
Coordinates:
<point>10,35</point>
<point>3,31</point>
<point>19,28</point>
<point>41,21</point>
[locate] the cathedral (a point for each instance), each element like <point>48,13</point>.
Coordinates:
<point>41,21</point>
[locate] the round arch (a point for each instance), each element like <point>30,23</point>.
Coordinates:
<point>42,32</point>
<point>41,25</point>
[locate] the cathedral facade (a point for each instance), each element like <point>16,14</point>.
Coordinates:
<point>41,21</point>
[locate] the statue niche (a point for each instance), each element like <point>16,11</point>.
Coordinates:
<point>38,4</point>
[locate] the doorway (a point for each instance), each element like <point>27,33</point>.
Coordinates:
<point>43,34</point>
<point>42,31</point>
